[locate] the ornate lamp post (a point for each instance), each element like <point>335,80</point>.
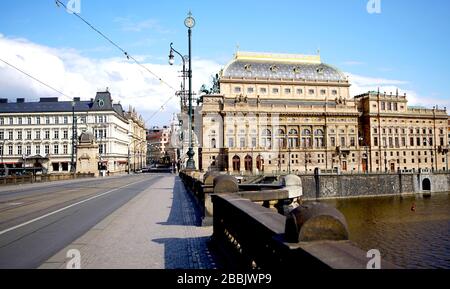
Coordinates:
<point>189,22</point>
<point>74,135</point>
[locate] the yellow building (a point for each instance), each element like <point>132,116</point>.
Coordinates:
<point>292,113</point>
<point>280,113</point>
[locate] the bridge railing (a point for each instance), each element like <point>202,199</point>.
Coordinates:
<point>249,236</point>
<point>30,179</point>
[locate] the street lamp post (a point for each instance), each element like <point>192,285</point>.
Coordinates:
<point>189,23</point>
<point>289,152</point>
<point>446,159</point>
<point>430,144</point>
<point>74,132</point>
<point>2,152</point>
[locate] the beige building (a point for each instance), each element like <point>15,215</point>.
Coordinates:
<point>293,113</point>
<point>159,145</point>
<point>137,140</point>
<point>399,137</point>
<point>39,134</point>
<point>280,113</point>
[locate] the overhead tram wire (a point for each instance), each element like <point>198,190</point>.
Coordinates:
<point>35,79</point>
<point>127,55</point>
<point>71,98</point>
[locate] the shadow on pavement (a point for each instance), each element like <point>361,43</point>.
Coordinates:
<point>189,250</point>
<point>186,253</point>
<point>184,210</point>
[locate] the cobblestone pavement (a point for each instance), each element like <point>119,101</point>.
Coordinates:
<point>158,229</point>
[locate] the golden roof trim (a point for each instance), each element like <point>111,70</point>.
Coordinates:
<point>278,57</point>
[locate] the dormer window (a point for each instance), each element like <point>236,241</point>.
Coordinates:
<point>248,67</point>
<point>274,68</point>
<point>297,70</point>
<point>320,70</point>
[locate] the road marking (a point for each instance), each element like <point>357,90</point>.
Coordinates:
<point>14,204</point>
<point>67,207</point>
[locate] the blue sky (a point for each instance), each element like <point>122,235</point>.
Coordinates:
<point>407,42</point>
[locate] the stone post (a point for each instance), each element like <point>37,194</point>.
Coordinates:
<point>317,182</point>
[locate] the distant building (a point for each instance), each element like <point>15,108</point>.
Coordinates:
<point>39,134</point>
<point>137,140</point>
<point>158,142</point>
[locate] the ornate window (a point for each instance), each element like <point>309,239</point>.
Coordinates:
<point>274,68</point>
<point>236,163</point>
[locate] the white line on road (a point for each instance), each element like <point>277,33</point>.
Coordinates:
<point>68,207</point>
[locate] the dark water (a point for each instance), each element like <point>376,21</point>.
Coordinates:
<point>419,239</point>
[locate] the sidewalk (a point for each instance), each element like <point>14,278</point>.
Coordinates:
<point>155,230</point>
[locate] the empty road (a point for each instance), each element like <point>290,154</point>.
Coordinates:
<point>38,220</point>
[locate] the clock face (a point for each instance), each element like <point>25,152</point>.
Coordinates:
<point>189,22</point>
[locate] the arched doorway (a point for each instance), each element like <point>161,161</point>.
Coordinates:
<point>236,164</point>
<point>392,167</point>
<point>426,185</point>
<point>260,164</point>
<point>365,163</point>
<point>248,164</point>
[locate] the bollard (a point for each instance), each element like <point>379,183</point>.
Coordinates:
<point>315,222</point>
<point>293,184</point>
<point>225,184</point>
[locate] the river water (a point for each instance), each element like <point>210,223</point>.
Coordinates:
<point>411,239</point>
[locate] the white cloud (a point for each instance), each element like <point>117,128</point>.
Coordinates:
<point>78,76</point>
<point>362,84</point>
<point>353,63</point>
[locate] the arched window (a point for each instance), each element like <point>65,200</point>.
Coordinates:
<point>248,164</point>
<point>319,132</point>
<point>267,132</point>
<point>280,132</point>
<point>213,143</point>
<point>236,164</point>
<point>293,132</point>
<point>266,140</point>
<point>260,163</point>
<point>306,132</point>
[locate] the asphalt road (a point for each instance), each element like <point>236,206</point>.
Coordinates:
<point>38,221</point>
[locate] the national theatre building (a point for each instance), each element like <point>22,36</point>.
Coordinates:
<point>293,113</point>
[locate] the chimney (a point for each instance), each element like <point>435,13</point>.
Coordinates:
<point>76,99</point>
<point>3,100</point>
<point>21,100</point>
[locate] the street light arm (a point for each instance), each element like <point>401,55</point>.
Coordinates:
<point>174,50</point>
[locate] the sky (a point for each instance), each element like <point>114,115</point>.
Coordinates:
<point>402,44</point>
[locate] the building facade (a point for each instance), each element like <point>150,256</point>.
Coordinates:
<point>280,113</point>
<point>39,134</point>
<point>159,148</point>
<point>293,113</point>
<point>137,140</point>
<point>398,137</point>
